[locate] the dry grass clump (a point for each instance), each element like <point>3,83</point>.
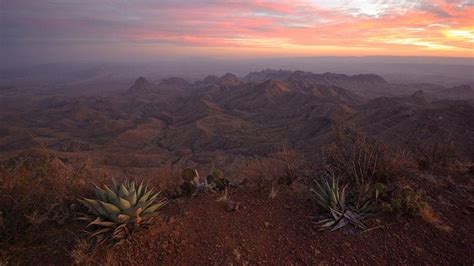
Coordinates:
<point>405,200</point>
<point>85,252</point>
<point>292,163</point>
<point>365,160</point>
<point>36,189</point>
<point>367,164</point>
<point>438,152</point>
<point>428,215</point>
<point>81,253</point>
<point>38,196</point>
<point>441,156</point>
<point>168,179</point>
<point>279,168</point>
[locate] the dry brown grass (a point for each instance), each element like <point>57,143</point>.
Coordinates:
<point>279,168</point>
<point>405,200</point>
<point>38,197</point>
<point>426,212</point>
<point>436,155</point>
<point>441,154</point>
<point>85,252</point>
<point>364,162</point>
<point>81,252</point>
<point>293,165</point>
<point>168,179</point>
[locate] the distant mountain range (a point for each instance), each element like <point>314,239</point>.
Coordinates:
<point>227,120</point>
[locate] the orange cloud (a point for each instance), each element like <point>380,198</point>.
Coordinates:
<point>255,27</point>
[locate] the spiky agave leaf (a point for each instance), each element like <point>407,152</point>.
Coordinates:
<point>100,194</point>
<point>98,221</point>
<point>340,219</point>
<point>123,204</point>
<point>332,198</point>
<point>329,195</point>
<point>153,208</point>
<point>120,208</point>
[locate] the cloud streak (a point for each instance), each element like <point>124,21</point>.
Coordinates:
<point>439,27</point>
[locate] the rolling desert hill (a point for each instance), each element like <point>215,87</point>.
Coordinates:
<point>231,117</point>
<point>272,133</point>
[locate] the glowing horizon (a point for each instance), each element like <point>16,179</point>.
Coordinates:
<point>239,28</point>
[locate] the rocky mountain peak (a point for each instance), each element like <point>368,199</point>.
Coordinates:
<point>141,84</point>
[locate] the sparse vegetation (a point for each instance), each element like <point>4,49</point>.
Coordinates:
<point>292,163</point>
<point>81,252</point>
<point>167,178</point>
<point>216,179</point>
<point>26,199</point>
<point>332,199</point>
<point>406,200</point>
<point>437,156</point>
<point>121,209</point>
<point>191,181</point>
<point>279,168</point>
<point>367,167</point>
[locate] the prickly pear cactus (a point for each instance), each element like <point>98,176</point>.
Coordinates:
<point>190,175</point>
<point>221,183</point>
<point>210,179</point>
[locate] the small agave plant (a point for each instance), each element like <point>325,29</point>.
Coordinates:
<point>329,196</point>
<point>332,198</point>
<point>120,209</point>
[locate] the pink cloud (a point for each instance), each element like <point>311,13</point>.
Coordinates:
<point>279,25</point>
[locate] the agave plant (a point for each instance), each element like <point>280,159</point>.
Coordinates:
<point>329,196</point>
<point>121,208</point>
<point>332,199</point>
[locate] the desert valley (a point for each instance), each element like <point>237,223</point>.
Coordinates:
<point>272,135</point>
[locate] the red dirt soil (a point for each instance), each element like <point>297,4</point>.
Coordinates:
<point>281,232</point>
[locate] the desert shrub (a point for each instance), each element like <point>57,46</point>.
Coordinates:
<point>168,179</point>
<point>279,168</point>
<point>436,156</point>
<point>216,173</point>
<point>37,191</point>
<point>293,165</point>
<point>364,162</point>
<point>437,150</point>
<point>121,209</point>
<point>264,173</point>
<point>364,159</point>
<point>216,180</point>
<point>405,200</point>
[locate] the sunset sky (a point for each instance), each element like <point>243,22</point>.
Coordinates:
<point>145,28</point>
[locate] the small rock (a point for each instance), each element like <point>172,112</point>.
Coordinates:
<point>231,206</point>
<point>267,224</point>
<point>418,249</point>
<point>73,207</point>
<point>317,251</point>
<point>237,254</point>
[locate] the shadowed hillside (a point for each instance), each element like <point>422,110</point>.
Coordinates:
<point>251,169</point>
